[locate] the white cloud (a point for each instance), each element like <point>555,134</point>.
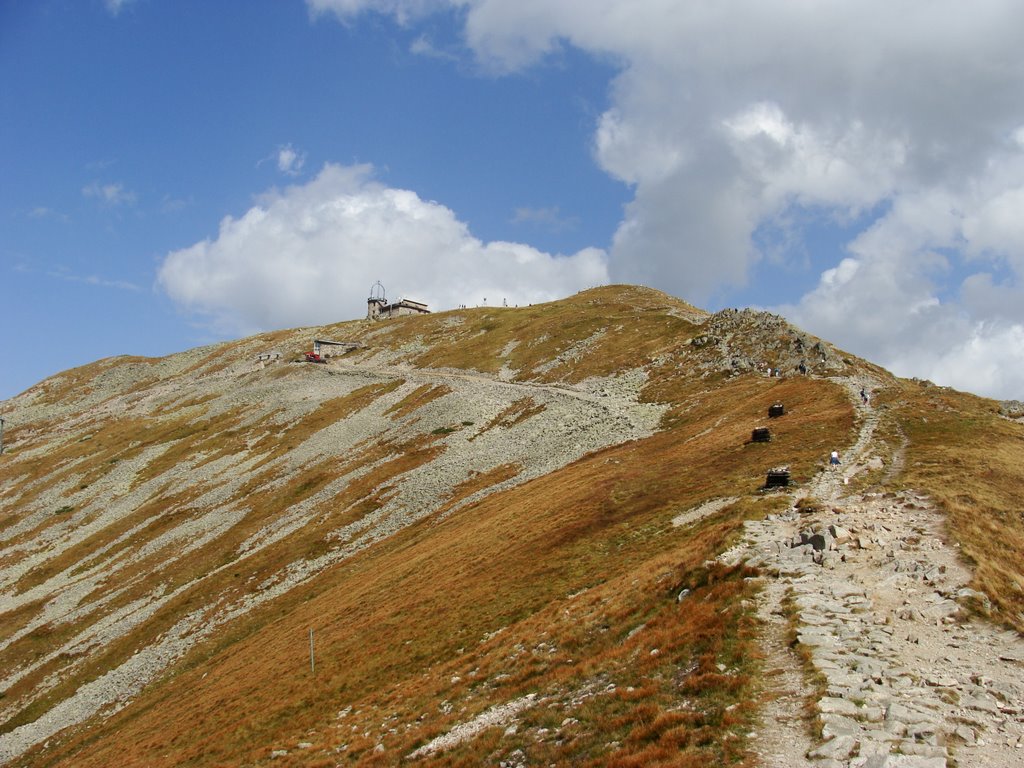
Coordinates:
<point>728,116</point>
<point>933,288</point>
<point>424,46</point>
<point>290,161</point>
<point>889,311</point>
<point>309,254</point>
<point>402,10</point>
<point>109,194</point>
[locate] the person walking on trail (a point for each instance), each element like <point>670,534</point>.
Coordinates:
<point>833,460</point>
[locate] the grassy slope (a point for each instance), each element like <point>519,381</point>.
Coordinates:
<point>395,627</point>
<point>969,460</point>
<point>563,569</point>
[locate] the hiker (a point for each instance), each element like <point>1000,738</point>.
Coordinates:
<point>833,460</point>
<point>863,396</point>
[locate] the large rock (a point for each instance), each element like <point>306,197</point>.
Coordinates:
<point>839,725</point>
<point>837,748</point>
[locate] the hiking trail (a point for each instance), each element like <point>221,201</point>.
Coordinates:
<point>891,665</point>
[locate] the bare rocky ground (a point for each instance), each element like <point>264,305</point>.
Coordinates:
<point>577,420</point>
<point>893,663</point>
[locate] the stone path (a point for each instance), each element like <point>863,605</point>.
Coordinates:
<point>906,675</point>
<point>786,737</point>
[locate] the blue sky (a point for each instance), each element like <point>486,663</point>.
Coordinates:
<point>176,173</point>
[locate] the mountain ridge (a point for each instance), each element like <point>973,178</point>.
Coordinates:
<point>218,488</point>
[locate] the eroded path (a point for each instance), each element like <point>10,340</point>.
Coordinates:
<point>905,673</point>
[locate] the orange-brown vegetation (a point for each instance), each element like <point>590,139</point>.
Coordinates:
<point>419,397</point>
<point>517,412</point>
<point>574,587</point>
<point>968,459</point>
<point>613,328</point>
<point>563,569</point>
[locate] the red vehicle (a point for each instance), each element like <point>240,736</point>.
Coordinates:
<point>313,357</point>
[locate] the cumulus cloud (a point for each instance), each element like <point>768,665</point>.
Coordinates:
<point>893,316</point>
<point>308,254</point>
<point>729,116</point>
<point>932,289</point>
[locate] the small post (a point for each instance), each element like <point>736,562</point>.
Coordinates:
<point>312,663</point>
<point>1,434</point>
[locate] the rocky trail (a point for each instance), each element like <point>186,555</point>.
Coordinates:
<point>617,391</point>
<point>891,664</point>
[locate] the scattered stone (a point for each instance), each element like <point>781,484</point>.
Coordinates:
<point>840,534</point>
<point>820,541</point>
<point>980,705</point>
<point>839,725</point>
<point>837,706</point>
<point>1011,409</point>
<point>965,734</point>
<point>838,748</point>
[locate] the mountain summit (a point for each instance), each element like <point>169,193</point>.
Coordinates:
<point>510,536</point>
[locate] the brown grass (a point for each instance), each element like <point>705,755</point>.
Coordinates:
<point>968,459</point>
<point>517,412</point>
<point>565,586</point>
<point>627,327</point>
<point>419,397</point>
<point>564,568</point>
<point>77,382</point>
<point>479,481</point>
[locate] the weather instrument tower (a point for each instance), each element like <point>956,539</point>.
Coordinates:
<point>376,302</point>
